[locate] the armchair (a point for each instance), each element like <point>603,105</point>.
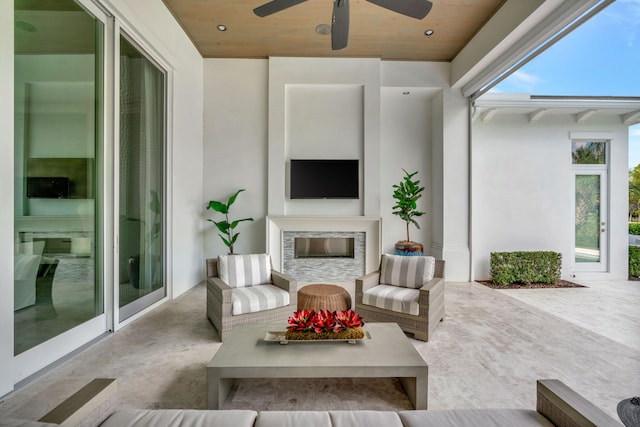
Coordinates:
<point>406,290</point>
<point>245,289</point>
<point>25,275</point>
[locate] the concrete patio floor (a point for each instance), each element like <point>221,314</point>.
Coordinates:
<point>487,353</point>
<point>495,342</point>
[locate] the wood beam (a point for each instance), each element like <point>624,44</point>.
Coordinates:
<point>631,118</point>
<point>488,115</point>
<point>537,115</point>
<point>583,116</point>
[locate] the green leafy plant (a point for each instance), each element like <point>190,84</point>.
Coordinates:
<point>225,227</point>
<point>634,261</point>
<point>525,267</point>
<point>634,228</point>
<point>136,262</point>
<point>407,193</point>
<point>156,227</point>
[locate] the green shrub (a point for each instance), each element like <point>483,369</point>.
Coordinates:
<point>634,228</point>
<point>525,267</point>
<point>634,261</point>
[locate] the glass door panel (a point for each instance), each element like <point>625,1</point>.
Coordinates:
<point>58,144</point>
<point>590,221</point>
<point>141,201</point>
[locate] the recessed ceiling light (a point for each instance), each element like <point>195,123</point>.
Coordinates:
<point>323,29</point>
<point>428,32</point>
<point>222,27</point>
<point>25,26</point>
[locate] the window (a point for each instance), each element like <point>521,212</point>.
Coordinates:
<point>588,153</point>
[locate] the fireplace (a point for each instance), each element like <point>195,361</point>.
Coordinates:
<point>324,249</point>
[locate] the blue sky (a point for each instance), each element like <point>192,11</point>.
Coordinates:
<point>600,58</point>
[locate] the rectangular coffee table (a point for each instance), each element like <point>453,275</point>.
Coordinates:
<point>245,354</point>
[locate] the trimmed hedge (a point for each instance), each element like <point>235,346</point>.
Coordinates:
<point>634,228</point>
<point>525,267</point>
<point>634,261</point>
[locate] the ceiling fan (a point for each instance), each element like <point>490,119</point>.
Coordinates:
<point>340,22</point>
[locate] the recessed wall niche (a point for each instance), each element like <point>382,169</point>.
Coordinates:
<point>324,121</point>
<point>324,108</point>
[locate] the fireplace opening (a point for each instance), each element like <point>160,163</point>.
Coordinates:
<point>324,247</point>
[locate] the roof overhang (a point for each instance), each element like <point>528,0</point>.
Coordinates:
<point>519,31</point>
<point>583,108</point>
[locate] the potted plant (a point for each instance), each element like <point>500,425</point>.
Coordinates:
<point>407,193</point>
<point>225,227</point>
<point>137,262</point>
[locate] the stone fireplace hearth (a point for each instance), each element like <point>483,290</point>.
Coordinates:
<point>346,247</point>
<point>324,264</point>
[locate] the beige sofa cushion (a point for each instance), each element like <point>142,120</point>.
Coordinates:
<point>179,418</point>
<point>394,298</point>
<point>293,419</point>
<point>474,418</point>
<point>252,299</point>
<point>365,418</point>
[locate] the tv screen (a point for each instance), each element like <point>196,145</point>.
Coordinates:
<point>48,187</point>
<point>60,178</point>
<point>324,179</point>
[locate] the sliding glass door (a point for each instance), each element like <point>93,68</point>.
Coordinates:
<point>88,255</point>
<point>141,201</point>
<point>58,146</point>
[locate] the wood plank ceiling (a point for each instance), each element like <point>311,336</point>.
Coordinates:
<point>374,32</point>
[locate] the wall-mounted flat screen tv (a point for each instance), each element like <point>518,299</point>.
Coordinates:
<point>324,179</point>
<point>53,187</point>
<point>60,178</point>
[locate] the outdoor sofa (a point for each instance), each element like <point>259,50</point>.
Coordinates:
<point>557,405</point>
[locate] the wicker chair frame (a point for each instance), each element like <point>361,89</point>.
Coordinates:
<point>219,302</point>
<point>430,301</point>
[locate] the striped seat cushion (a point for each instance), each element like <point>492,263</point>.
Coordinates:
<point>394,298</point>
<point>239,271</point>
<point>257,298</point>
<point>406,271</point>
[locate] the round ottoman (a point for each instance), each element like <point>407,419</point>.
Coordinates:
<point>323,297</point>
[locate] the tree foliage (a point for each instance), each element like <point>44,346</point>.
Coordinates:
<point>634,192</point>
<point>590,153</point>
<point>407,193</point>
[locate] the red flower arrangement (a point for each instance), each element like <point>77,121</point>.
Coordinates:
<point>324,324</point>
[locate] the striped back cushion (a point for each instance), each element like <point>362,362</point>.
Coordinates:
<point>239,271</point>
<point>406,271</point>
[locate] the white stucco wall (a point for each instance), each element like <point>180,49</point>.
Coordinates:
<point>247,122</point>
<point>356,85</point>
<point>405,143</point>
<point>235,150</point>
<point>449,161</point>
<point>522,189</point>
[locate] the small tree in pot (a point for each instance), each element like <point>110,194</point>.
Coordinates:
<point>225,227</point>
<point>407,193</point>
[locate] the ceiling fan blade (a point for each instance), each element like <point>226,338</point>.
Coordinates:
<point>340,24</point>
<point>414,8</point>
<point>275,6</point>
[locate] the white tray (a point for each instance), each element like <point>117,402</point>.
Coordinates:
<point>279,336</point>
